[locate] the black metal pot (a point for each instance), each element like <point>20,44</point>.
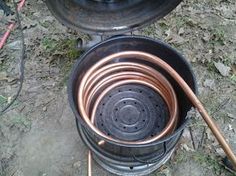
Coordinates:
<point>127,159</point>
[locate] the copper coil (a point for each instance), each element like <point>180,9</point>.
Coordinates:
<point>104,76</point>
<point>95,70</point>
<point>91,77</point>
<point>122,67</point>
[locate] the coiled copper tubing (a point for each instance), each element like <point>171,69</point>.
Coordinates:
<point>105,75</point>
<point>108,77</point>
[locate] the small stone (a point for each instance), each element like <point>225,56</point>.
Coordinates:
<point>220,152</point>
<point>206,37</point>
<point>186,134</point>
<point>230,127</point>
<point>16,45</point>
<point>9,99</point>
<point>77,165</point>
<point>223,69</point>
<point>181,31</point>
<point>210,83</point>
<point>44,108</point>
<point>186,148</point>
<point>168,32</point>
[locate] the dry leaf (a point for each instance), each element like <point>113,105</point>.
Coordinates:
<point>223,69</point>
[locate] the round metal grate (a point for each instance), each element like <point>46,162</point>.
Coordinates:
<point>132,112</point>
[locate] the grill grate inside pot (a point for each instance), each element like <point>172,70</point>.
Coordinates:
<point>132,112</point>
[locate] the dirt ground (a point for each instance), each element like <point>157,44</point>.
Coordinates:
<point>38,135</point>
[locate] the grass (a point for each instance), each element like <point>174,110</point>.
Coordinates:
<point>211,67</point>
<point>18,121</point>
<point>205,160</point>
<point>63,53</point>
<point>217,36</point>
<point>233,78</point>
<point>4,100</point>
<point>211,162</point>
<point>65,47</point>
<point>49,44</point>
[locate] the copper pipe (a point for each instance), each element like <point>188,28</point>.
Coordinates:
<point>89,163</point>
<point>118,67</point>
<point>157,61</point>
<point>129,76</point>
<point>196,102</point>
<point>86,116</point>
<point>166,91</point>
<point>141,81</point>
<point>167,88</point>
<point>101,142</point>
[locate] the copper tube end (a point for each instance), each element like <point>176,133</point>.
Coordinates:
<point>101,142</point>
<point>89,163</point>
